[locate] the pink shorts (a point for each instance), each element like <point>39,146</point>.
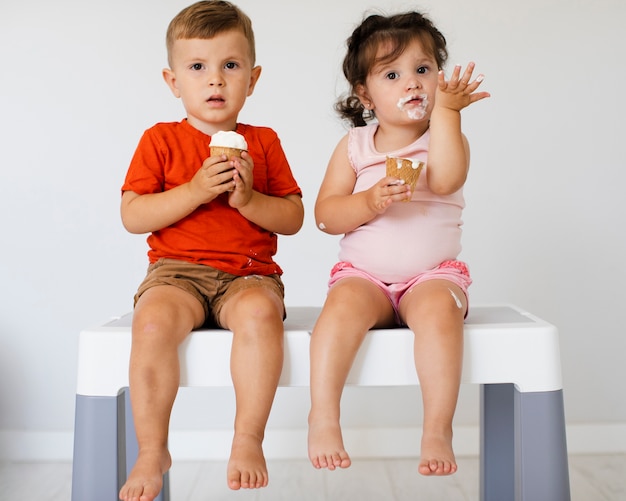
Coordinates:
<point>453,271</point>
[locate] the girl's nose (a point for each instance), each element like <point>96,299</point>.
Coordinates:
<point>413,83</point>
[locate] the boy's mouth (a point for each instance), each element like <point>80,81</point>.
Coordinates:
<point>216,98</point>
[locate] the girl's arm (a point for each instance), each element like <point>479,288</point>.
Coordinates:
<point>448,152</point>
<point>337,209</point>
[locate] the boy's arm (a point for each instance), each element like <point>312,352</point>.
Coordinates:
<point>154,211</point>
<point>282,215</point>
<point>448,151</point>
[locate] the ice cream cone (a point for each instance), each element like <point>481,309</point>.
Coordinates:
<point>405,169</point>
<point>227,143</point>
<point>216,151</point>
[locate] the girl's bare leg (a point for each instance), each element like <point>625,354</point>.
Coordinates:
<point>255,316</point>
<point>430,309</point>
<point>353,306</point>
<point>163,317</point>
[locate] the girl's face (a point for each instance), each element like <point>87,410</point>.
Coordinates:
<point>401,91</point>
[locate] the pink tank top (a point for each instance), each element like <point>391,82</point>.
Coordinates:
<point>410,237</point>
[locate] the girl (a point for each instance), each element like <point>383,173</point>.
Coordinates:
<point>397,261</point>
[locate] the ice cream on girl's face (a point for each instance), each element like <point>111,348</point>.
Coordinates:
<point>417,106</point>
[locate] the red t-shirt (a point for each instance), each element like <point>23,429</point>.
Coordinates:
<point>215,234</point>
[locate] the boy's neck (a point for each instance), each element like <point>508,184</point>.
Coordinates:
<point>211,128</point>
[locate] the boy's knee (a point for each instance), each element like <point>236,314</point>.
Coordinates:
<point>257,302</point>
<point>253,297</point>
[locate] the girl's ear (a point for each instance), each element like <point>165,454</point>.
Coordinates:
<point>254,78</point>
<point>170,80</point>
<point>362,94</point>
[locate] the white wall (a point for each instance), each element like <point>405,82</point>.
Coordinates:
<point>544,228</point>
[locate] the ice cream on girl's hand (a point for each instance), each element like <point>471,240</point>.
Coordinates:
<point>405,169</point>
<point>228,143</point>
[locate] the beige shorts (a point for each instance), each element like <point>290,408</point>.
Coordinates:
<point>210,286</point>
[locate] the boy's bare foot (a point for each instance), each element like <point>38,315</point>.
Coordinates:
<point>246,466</point>
<point>437,455</point>
<point>146,478</point>
<point>326,448</point>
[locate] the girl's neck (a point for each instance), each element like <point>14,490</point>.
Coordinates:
<point>392,138</point>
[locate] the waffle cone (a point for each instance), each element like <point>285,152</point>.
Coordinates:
<point>224,150</point>
<point>406,169</point>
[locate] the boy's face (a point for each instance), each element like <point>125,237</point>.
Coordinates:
<point>213,78</point>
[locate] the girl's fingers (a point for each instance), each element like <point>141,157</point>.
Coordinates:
<point>467,75</point>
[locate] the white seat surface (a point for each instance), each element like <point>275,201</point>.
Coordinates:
<point>503,344</point>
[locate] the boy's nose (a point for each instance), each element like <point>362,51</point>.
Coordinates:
<point>216,80</point>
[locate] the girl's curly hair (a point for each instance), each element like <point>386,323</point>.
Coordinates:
<point>399,30</point>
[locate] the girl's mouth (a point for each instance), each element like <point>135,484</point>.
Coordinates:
<point>414,106</point>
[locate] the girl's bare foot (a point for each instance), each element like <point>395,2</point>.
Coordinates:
<point>246,466</point>
<point>437,455</point>
<point>146,478</point>
<point>326,448</point>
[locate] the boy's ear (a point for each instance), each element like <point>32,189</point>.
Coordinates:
<point>254,78</point>
<point>170,80</point>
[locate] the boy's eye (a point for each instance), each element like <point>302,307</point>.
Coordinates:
<point>230,65</point>
<point>197,66</point>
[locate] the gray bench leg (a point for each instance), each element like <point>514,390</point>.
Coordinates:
<point>105,448</point>
<point>497,443</point>
<point>523,455</point>
<point>541,447</point>
<point>95,465</point>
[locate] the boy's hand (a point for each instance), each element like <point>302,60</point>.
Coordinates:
<point>459,92</point>
<point>212,179</point>
<point>243,179</point>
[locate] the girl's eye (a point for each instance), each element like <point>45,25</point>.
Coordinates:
<point>197,66</point>
<point>392,75</point>
<point>422,69</point>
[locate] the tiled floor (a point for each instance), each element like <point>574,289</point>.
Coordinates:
<point>592,478</point>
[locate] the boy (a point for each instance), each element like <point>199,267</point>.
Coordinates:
<point>213,223</point>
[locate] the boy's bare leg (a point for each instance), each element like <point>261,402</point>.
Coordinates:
<point>430,309</point>
<point>353,306</point>
<point>163,317</point>
<point>255,316</point>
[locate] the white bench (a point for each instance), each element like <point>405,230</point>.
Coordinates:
<point>512,354</point>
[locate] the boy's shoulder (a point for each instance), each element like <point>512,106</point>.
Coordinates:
<point>258,136</point>
<point>167,130</point>
<point>256,130</point>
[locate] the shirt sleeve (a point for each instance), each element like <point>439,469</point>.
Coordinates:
<point>145,173</point>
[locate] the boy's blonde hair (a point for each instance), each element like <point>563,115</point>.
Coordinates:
<point>207,18</point>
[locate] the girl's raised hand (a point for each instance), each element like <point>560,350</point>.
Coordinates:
<point>460,90</point>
